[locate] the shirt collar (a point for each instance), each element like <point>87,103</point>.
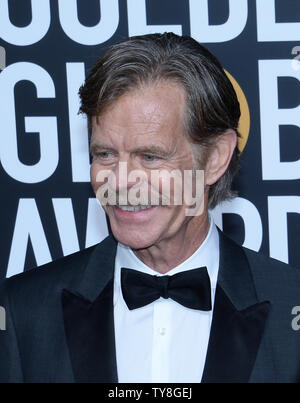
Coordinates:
<point>206,255</point>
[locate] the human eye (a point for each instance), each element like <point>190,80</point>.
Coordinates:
<point>149,157</point>
<point>103,156</point>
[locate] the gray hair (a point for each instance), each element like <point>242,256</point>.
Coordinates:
<point>212,105</point>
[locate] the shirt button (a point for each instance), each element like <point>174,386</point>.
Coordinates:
<point>162,331</point>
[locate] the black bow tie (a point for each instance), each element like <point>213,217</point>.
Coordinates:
<point>190,288</point>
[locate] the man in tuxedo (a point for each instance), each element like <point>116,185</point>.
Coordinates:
<point>167,297</point>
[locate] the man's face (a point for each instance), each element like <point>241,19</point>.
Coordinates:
<point>143,130</point>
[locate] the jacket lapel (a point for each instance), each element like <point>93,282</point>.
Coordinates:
<point>238,320</point>
<point>237,326</point>
<point>88,318</point>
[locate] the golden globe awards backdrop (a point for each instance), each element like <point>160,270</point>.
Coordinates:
<point>47,46</point>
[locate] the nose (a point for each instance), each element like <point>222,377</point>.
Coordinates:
<point>124,172</point>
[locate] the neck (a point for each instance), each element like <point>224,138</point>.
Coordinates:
<point>169,253</point>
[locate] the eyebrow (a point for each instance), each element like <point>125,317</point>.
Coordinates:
<point>154,150</point>
<point>100,146</point>
<point>157,151</point>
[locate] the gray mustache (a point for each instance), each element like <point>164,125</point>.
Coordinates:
<point>132,196</point>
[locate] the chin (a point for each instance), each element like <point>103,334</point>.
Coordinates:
<point>133,240</point>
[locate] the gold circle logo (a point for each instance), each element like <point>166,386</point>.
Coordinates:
<point>244,123</point>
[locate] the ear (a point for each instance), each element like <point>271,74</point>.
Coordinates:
<point>220,156</point>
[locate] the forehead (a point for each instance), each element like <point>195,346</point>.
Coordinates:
<point>152,111</point>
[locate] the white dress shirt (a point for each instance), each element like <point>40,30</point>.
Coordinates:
<point>163,341</point>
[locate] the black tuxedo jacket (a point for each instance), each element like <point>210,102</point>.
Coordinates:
<point>60,325</point>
